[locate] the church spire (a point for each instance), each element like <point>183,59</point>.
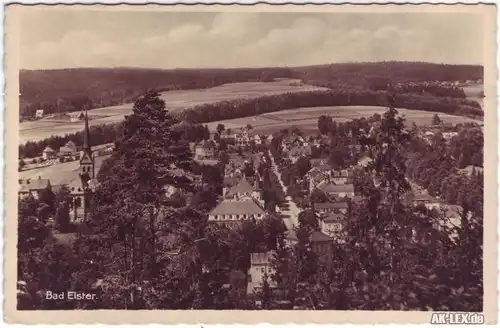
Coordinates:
<point>86,134</point>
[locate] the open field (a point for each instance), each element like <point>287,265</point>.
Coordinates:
<point>61,173</point>
<point>306,119</point>
<point>176,101</point>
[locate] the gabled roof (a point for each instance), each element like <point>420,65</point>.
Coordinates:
<point>318,237</point>
<point>207,144</point>
<point>246,206</point>
<point>70,144</point>
<point>48,149</point>
<point>243,186</point>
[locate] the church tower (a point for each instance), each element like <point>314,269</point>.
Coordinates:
<point>86,157</point>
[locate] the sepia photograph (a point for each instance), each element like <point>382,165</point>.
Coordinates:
<point>257,158</point>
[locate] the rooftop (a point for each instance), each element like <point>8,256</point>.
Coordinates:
<point>318,237</point>
<point>334,217</point>
<point>243,186</point>
<point>330,205</point>
<point>33,184</point>
<point>337,188</point>
<point>246,206</point>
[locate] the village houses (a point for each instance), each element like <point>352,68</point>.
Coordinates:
<point>205,150</point>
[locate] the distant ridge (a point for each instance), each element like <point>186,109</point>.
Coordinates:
<point>64,90</point>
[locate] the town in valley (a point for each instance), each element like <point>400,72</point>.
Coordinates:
<point>348,186</point>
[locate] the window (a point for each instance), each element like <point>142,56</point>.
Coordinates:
<point>262,270</point>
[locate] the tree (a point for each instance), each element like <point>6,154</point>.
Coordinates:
<point>436,120</point>
<point>220,128</point>
<point>308,220</point>
<point>249,126</point>
<point>63,218</point>
<point>325,124</point>
<point>318,196</point>
<point>21,164</point>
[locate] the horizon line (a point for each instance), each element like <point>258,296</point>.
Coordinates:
<point>248,67</point>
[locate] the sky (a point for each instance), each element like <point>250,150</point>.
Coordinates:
<point>55,38</point>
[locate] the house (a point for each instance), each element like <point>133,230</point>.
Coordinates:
<point>468,170</point>
<point>260,264</point>
<point>318,162</point>
<point>337,191</point>
<point>68,150</point>
<point>205,150</point>
<point>232,212</point>
<point>321,244</point>
<point>49,153</point>
<point>331,207</point>
<point>32,187</point>
<point>299,151</point>
<point>331,224</point>
<point>427,200</point>
<point>243,138</point>
<point>39,113</point>
<point>341,177</point>
<point>244,190</point>
<point>449,135</point>
<point>315,178</point>
<point>257,139</point>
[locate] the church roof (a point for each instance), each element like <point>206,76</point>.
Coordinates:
<point>246,206</point>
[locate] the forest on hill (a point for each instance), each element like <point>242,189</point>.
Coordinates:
<point>65,90</point>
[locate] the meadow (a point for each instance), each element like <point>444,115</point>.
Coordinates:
<point>175,100</point>
<point>61,173</point>
<point>306,118</point>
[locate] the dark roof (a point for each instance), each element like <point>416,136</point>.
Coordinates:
<point>337,188</point>
<point>207,144</point>
<point>424,198</point>
<point>318,236</point>
<point>329,205</point>
<point>65,149</point>
<point>334,217</point>
<point>243,186</point>
<point>246,206</point>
